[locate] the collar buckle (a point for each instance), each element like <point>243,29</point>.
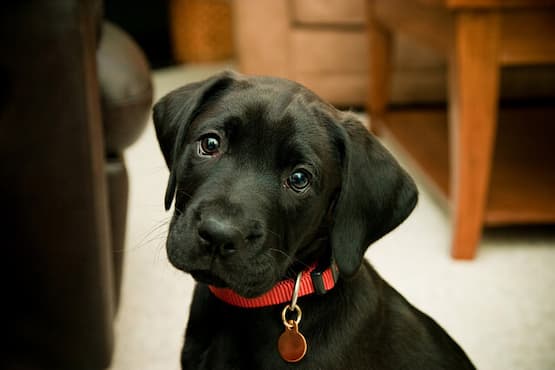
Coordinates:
<point>319,277</point>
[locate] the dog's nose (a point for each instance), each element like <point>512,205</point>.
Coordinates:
<point>222,237</point>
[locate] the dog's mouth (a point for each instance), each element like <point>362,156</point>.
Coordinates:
<point>244,288</point>
<point>207,277</point>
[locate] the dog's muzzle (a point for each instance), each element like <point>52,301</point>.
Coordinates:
<point>223,237</point>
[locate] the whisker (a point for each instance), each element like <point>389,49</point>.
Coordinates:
<point>181,191</point>
<point>289,258</point>
<point>273,233</point>
<point>157,232</point>
<point>270,231</point>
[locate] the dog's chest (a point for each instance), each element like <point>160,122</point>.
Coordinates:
<point>234,357</point>
<point>239,347</point>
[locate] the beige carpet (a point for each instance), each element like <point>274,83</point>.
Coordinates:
<point>499,307</point>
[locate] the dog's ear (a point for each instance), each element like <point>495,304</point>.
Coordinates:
<point>376,195</point>
<point>173,114</point>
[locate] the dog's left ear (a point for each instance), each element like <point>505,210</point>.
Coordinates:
<point>173,114</point>
<point>376,195</point>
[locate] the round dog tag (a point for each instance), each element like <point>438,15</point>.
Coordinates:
<point>292,344</point>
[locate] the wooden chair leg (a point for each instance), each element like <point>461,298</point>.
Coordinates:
<point>379,69</point>
<point>473,88</point>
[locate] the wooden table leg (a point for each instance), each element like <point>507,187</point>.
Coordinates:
<point>379,69</point>
<point>473,89</point>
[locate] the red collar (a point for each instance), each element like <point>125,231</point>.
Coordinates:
<point>312,281</point>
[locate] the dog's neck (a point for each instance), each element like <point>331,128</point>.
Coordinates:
<point>313,280</point>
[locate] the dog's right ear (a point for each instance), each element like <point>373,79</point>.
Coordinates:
<point>376,195</point>
<point>173,114</point>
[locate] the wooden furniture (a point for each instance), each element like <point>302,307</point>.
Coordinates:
<point>478,37</point>
<point>201,30</point>
<point>323,45</point>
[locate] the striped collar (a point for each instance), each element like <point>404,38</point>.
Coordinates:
<point>313,280</point>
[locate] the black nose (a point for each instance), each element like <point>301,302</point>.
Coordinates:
<point>222,237</point>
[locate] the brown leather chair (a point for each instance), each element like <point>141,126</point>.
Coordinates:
<point>74,93</point>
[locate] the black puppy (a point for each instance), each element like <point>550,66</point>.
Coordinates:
<point>270,184</point>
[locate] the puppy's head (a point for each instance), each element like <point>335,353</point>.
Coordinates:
<point>266,175</point>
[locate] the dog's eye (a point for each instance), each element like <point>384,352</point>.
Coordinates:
<point>209,145</point>
<point>299,180</point>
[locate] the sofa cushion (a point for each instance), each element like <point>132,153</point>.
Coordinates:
<point>125,88</point>
<point>328,50</point>
<point>334,63</point>
<point>330,12</point>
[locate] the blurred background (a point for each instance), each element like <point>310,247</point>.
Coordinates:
<point>461,91</point>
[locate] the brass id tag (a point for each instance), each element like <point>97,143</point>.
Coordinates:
<point>292,344</point>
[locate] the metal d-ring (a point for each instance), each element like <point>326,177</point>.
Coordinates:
<point>293,306</point>
<point>289,323</point>
<point>295,295</point>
